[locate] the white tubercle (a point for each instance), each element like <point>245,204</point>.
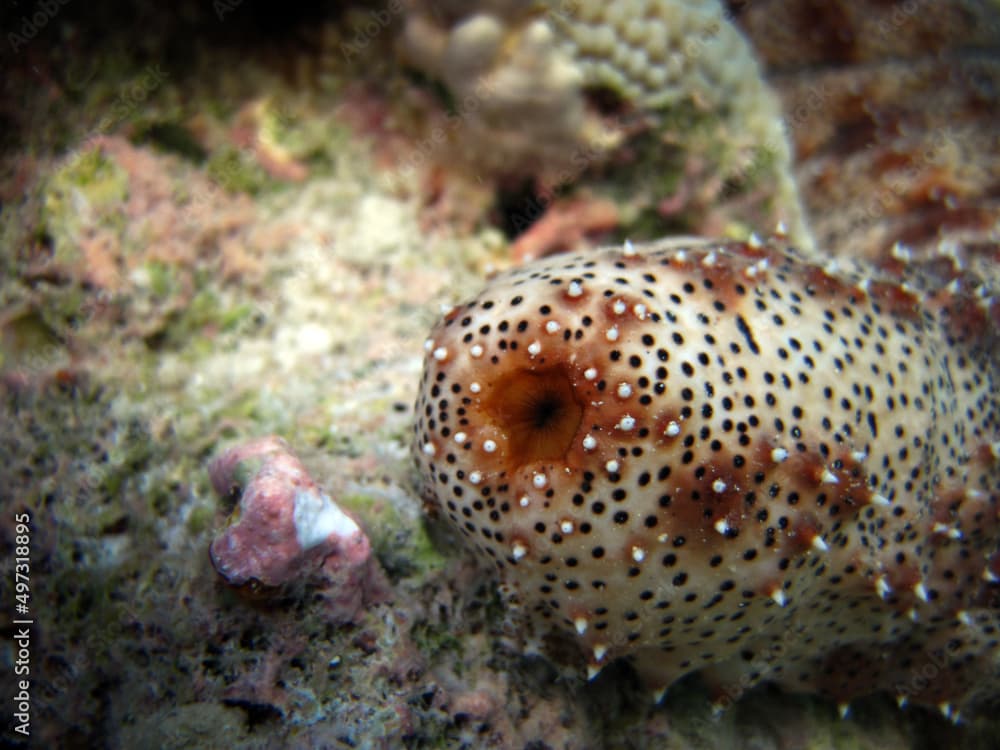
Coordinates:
<point>901,252</point>
<point>882,587</point>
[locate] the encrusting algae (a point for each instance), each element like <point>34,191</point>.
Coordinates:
<point>726,458</point>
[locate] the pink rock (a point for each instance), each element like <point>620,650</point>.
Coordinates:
<point>286,529</point>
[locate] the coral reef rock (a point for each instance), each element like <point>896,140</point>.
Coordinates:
<point>519,72</point>
<point>727,458</point>
<point>285,529</point>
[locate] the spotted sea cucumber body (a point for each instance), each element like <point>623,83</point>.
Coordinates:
<point>724,458</point>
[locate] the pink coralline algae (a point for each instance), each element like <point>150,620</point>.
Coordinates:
<point>728,459</point>
<point>285,529</point>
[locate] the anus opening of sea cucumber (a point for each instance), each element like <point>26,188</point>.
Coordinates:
<point>538,411</point>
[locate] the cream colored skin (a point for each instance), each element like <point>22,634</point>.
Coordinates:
<point>741,463</point>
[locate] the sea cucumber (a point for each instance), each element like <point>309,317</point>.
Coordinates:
<point>730,459</point>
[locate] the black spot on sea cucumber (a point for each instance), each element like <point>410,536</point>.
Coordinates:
<point>744,329</point>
